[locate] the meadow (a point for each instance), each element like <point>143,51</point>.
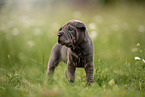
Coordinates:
<point>27,37</point>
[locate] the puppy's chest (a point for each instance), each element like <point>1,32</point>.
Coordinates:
<point>80,61</point>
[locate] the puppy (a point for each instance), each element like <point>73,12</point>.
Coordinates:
<point>75,48</point>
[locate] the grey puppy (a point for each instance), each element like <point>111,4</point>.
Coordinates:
<point>75,48</point>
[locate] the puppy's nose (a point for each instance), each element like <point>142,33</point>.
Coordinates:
<point>60,34</point>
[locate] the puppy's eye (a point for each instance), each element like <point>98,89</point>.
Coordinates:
<point>70,28</point>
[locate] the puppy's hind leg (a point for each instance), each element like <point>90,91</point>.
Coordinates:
<point>54,60</point>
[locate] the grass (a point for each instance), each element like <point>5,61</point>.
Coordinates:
<point>26,40</point>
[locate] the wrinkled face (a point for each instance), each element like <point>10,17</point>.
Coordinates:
<point>69,34</point>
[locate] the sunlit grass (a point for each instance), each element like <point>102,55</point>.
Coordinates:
<point>26,40</point>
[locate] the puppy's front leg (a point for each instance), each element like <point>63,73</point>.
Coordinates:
<point>54,60</point>
<point>70,72</point>
<point>51,67</point>
<point>89,73</point>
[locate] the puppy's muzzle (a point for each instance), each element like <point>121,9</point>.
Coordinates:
<point>60,34</point>
<point>63,39</point>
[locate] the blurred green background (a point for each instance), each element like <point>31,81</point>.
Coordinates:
<point>28,31</point>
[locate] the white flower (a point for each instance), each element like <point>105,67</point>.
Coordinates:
<point>115,27</point>
<point>30,43</point>
<point>138,44</point>
<point>137,58</point>
<point>3,27</point>
<point>141,28</point>
<point>8,56</point>
<point>98,19</point>
<point>93,34</point>
<point>27,22</point>
<point>134,49</point>
<point>11,24</point>
<point>37,31</point>
<point>15,31</point>
<point>143,60</point>
<point>92,26</point>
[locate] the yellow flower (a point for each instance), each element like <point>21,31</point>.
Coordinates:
<point>111,82</point>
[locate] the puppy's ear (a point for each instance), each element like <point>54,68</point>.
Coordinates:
<point>80,26</point>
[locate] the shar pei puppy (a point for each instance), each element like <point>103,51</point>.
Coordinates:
<point>75,48</point>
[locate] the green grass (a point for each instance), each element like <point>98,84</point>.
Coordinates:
<point>27,37</point>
